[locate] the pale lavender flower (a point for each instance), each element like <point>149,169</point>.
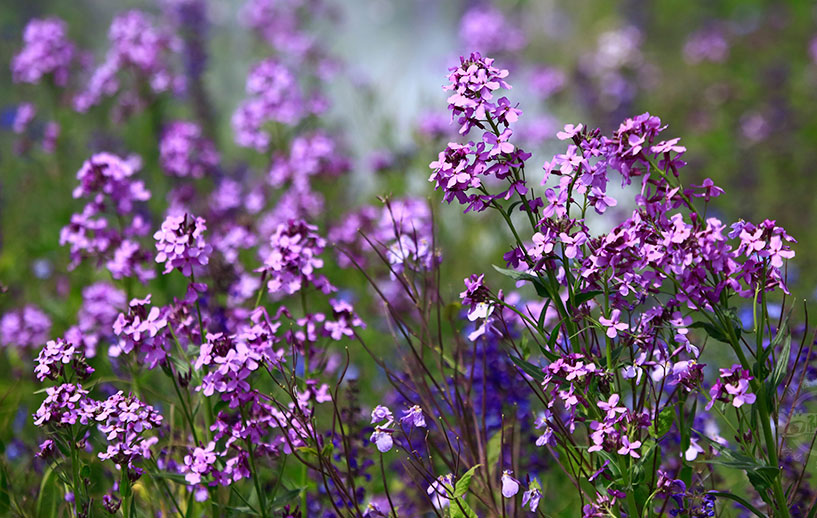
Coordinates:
<point>414,416</point>
<point>510,486</point>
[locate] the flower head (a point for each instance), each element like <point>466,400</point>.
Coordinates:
<point>180,244</point>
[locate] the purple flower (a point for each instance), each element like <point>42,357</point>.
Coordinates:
<point>55,356</point>
<point>293,258</point>
<point>510,486</point>
<point>381,413</point>
<point>111,503</point>
<point>25,327</point>
<point>144,331</point>
<point>629,448</point>
<point>382,437</point>
<point>184,151</point>
<point>472,84</point>
<point>65,405</point>
<point>47,51</point>
<point>732,387</point>
<point>123,420</point>
<point>441,490</point>
<point>109,176</point>
<point>345,320</point>
<point>611,406</point>
<point>23,117</point>
<point>476,296</point>
<point>614,327</point>
<point>531,498</point>
<point>138,50</point>
<point>180,244</point>
<point>414,416</point>
<point>199,463</point>
<point>274,95</point>
<point>47,449</point>
<point>570,131</point>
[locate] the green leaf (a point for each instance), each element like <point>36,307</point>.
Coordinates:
<point>513,274</point>
<point>530,369</point>
<point>739,500</point>
<point>663,423</point>
<point>541,289</point>
<point>712,331</point>
<point>284,498</point>
<point>760,475</point>
<point>459,509</point>
<point>581,298</point>
<point>465,482</point>
<point>48,500</point>
<point>782,363</point>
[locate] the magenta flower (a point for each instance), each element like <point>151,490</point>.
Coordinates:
<point>184,151</point>
<point>570,131</point>
<point>629,448</point>
<point>65,405</point>
<point>180,244</point>
<point>613,325</point>
<point>47,51</point>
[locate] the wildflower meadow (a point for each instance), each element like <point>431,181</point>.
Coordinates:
<point>317,258</point>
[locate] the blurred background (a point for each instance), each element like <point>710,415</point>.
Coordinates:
<point>734,79</point>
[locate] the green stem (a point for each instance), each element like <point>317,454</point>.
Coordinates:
<point>765,421</point>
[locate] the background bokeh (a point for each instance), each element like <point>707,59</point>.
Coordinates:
<point>735,79</point>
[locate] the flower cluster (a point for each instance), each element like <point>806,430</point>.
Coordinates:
<point>274,96</point>
<point>139,49</point>
<point>27,327</point>
<point>47,52</point>
<point>732,387</point>
<point>55,356</point>
<point>113,193</point>
<point>293,258</point>
<point>463,168</point>
<point>180,244</point>
<point>143,331</point>
<point>231,360</point>
<point>65,405</point>
<point>124,420</point>
<point>184,151</point>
